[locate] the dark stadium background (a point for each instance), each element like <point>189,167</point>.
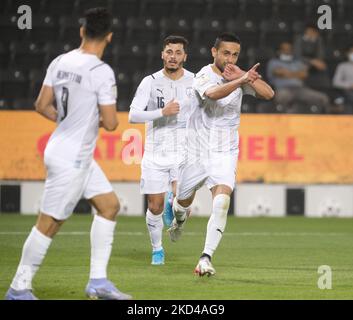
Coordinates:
<point>140,25</point>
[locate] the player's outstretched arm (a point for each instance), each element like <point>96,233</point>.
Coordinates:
<point>221,91</point>
<point>44,103</point>
<point>262,89</point>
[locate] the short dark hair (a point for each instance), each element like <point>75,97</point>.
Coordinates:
<point>226,37</point>
<point>176,39</point>
<point>97,23</point>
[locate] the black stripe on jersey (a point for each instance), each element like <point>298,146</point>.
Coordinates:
<point>98,65</point>
<point>153,76</point>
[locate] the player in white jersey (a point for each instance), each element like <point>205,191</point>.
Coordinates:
<point>85,92</point>
<point>163,101</point>
<point>212,140</point>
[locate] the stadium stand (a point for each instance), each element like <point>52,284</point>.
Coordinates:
<point>139,26</point>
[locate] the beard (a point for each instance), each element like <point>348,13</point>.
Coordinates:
<point>220,66</point>
<point>174,69</point>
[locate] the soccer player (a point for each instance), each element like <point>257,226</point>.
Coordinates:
<point>85,91</point>
<point>212,140</point>
<point>163,101</point>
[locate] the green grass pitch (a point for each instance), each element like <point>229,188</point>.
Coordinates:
<point>258,258</point>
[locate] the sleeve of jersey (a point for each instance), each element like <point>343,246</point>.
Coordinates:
<point>106,86</point>
<point>248,90</point>
<point>201,83</point>
<point>138,112</point>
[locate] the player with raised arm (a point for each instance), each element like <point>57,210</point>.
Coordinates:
<point>162,100</point>
<point>85,91</point>
<point>212,140</point>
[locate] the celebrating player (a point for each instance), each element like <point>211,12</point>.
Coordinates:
<point>163,101</point>
<point>85,92</point>
<point>212,140</point>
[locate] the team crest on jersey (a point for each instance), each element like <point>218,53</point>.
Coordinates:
<point>189,92</point>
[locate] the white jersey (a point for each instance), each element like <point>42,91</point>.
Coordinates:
<point>166,135</point>
<point>80,82</point>
<point>213,124</point>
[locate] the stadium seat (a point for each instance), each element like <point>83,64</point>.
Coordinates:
<point>158,8</point>
<point>289,10</point>
<point>10,30</point>
<point>341,36</point>
<point>132,56</point>
<point>142,30</point>
<point>154,61</point>
<point>111,54</point>
<point>223,9</point>
<point>207,29</point>
<point>274,32</point>
<point>69,29</point>
<point>256,9</point>
<point>313,5</point>
<point>200,56</point>
<point>54,49</point>
<point>345,9</point>
<point>13,5</point>
<point>28,55</point>
<point>122,8</point>
<point>246,29</point>
<point>44,28</point>
<point>333,57</point>
<point>61,7</point>
<point>36,78</point>
<point>5,57</point>
<point>83,5</point>
<point>124,83</point>
<point>176,26</point>
<point>14,84</point>
<point>190,8</point>
<point>118,30</point>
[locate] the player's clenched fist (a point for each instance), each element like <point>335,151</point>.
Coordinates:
<point>172,108</point>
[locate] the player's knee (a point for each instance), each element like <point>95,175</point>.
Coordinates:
<point>155,206</point>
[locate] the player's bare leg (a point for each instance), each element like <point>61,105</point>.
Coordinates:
<point>102,236</point>
<point>215,228</point>
<point>154,223</point>
<point>33,253</point>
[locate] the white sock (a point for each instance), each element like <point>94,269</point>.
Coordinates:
<point>155,228</point>
<point>102,236</point>
<point>179,212</point>
<point>33,253</point>
<point>216,223</point>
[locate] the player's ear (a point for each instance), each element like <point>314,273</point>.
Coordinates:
<point>214,52</point>
<point>185,57</point>
<point>109,37</point>
<point>82,32</point>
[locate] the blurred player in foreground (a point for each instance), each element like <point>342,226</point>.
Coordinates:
<point>163,101</point>
<point>85,91</point>
<point>212,140</point>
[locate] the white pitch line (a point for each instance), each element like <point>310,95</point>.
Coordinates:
<point>245,234</point>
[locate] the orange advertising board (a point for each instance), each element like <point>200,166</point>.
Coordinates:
<point>273,148</point>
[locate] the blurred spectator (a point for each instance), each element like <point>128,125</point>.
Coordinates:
<point>287,74</point>
<point>310,49</point>
<point>343,80</point>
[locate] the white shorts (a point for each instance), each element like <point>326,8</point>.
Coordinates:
<point>66,185</point>
<point>212,172</point>
<point>157,177</point>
